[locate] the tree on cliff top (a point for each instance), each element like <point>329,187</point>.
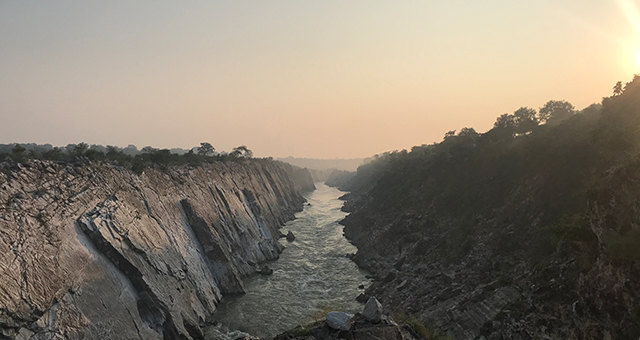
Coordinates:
<point>241,151</point>
<point>555,111</point>
<point>206,149</point>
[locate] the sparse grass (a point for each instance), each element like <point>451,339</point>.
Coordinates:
<point>303,330</point>
<point>419,328</point>
<point>321,314</point>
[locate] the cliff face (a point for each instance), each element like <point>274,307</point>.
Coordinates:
<point>97,252</point>
<point>506,235</point>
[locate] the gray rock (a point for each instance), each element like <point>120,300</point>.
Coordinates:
<point>338,320</point>
<point>362,298</point>
<point>402,285</point>
<point>390,277</point>
<point>264,270</point>
<point>112,254</point>
<point>290,236</point>
<point>373,310</point>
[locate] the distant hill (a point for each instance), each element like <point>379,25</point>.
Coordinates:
<point>349,164</point>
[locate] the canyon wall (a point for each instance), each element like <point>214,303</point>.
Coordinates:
<point>94,251</point>
<point>521,232</point>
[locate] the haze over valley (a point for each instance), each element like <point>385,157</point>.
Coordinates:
<point>320,170</point>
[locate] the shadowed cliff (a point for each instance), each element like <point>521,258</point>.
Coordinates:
<point>526,231</point>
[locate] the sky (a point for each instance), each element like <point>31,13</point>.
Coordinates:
<point>320,79</point>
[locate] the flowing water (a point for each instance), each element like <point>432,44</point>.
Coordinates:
<point>312,276</point>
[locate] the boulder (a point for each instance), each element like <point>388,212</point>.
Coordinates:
<point>290,236</point>
<point>373,310</point>
<point>390,277</point>
<point>264,270</point>
<point>362,298</point>
<point>338,320</point>
<point>402,285</point>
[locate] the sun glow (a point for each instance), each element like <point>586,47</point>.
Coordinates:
<point>630,10</point>
<point>632,14</point>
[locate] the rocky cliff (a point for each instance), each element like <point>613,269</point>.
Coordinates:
<point>510,235</point>
<point>94,251</point>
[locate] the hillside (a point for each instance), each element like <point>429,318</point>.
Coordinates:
<point>348,164</point>
<point>527,231</point>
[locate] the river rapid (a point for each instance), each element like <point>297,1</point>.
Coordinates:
<point>312,276</point>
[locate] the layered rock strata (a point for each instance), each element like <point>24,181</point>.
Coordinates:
<point>94,251</point>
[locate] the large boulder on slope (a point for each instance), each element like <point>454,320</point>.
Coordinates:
<point>290,236</point>
<point>338,320</point>
<point>373,310</point>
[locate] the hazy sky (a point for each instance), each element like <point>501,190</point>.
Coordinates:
<point>299,78</point>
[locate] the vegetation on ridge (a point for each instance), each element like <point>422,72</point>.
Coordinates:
<point>544,199</point>
<point>128,157</point>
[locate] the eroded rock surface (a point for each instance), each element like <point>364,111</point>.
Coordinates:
<point>96,252</point>
<point>359,328</point>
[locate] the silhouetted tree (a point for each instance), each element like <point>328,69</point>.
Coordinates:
<point>525,119</point>
<point>555,111</point>
<point>54,154</point>
<point>241,150</point>
<point>131,150</point>
<point>449,134</point>
<point>79,149</point>
<point>18,149</point>
<point>206,149</point>
<point>505,125</point>
<point>617,89</point>
<point>466,131</point>
<point>17,153</point>
<point>148,149</point>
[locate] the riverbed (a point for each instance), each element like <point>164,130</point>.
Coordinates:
<point>312,276</point>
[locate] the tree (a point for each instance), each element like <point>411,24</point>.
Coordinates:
<point>79,149</point>
<point>206,149</point>
<point>450,134</point>
<point>617,89</point>
<point>241,150</point>
<point>555,111</point>
<point>18,153</point>
<point>18,150</point>
<point>148,149</point>
<point>525,119</point>
<point>464,132</point>
<point>504,127</point>
<point>131,150</point>
<point>505,121</point>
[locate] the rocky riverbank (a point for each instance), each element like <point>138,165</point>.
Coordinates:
<point>94,251</point>
<point>371,324</point>
<point>509,235</point>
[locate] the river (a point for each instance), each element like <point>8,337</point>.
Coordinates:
<point>312,276</point>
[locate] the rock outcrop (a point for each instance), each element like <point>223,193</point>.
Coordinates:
<point>372,310</point>
<point>301,177</point>
<point>338,320</point>
<point>290,236</point>
<point>339,325</point>
<point>338,178</point>
<point>509,234</point>
<point>94,251</point>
